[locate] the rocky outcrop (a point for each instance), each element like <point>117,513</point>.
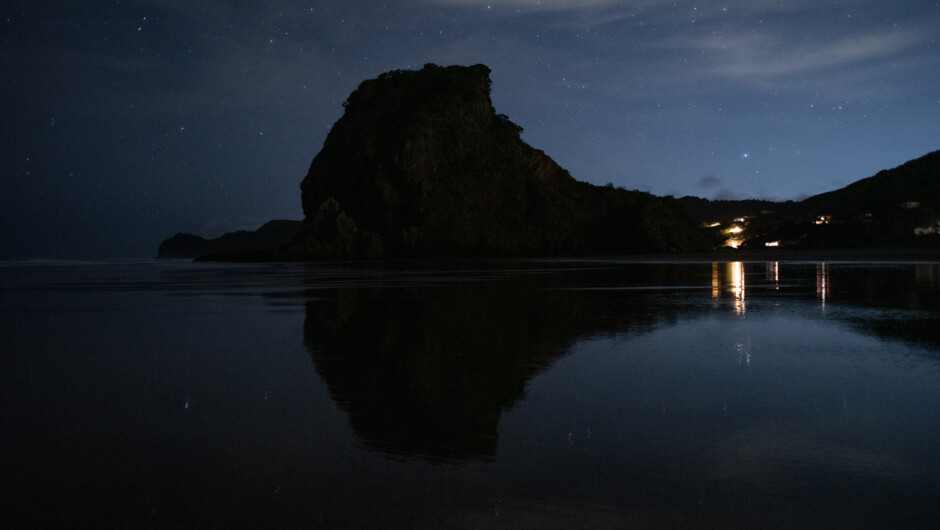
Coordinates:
<point>264,241</point>
<point>420,164</point>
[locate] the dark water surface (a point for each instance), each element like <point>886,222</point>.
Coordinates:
<point>495,394</point>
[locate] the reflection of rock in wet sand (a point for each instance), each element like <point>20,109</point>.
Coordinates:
<point>428,372</point>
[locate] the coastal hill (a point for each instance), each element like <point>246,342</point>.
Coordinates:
<point>272,235</point>
<point>421,165</point>
<point>899,206</point>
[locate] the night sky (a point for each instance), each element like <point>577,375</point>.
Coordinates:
<point>124,122</point>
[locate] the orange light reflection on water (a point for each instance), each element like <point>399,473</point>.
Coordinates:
<point>823,282</point>
<point>733,278</point>
<point>736,279</point>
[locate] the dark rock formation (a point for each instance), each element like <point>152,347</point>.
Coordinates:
<point>420,164</point>
<point>267,239</point>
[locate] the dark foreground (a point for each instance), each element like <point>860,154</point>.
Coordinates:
<point>648,392</point>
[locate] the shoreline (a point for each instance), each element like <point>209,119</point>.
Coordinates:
<point>898,253</point>
<point>912,254</point>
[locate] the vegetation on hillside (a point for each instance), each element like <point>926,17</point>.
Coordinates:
<point>900,206</point>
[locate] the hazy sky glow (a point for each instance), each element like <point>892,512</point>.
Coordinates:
<point>124,122</point>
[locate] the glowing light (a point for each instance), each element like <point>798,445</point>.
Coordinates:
<point>736,274</point>
<point>716,280</point>
<point>772,244</point>
<point>823,282</point>
<point>744,354</point>
<point>773,272</point>
<point>731,279</point>
<point>732,241</point>
<point>736,278</point>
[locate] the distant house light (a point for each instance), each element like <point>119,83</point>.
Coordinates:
<point>926,230</point>
<point>823,219</point>
<point>772,244</point>
<point>734,239</point>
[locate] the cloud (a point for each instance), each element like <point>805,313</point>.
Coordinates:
<point>726,194</point>
<point>708,182</point>
<point>668,8</point>
<point>544,5</point>
<point>750,55</point>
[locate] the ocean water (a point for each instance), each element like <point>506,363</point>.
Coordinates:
<point>470,394</point>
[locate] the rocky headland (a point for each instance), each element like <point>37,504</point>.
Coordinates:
<point>421,165</point>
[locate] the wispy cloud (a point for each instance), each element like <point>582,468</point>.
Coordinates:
<point>761,57</point>
<point>708,182</point>
<point>726,194</point>
<point>673,6</point>
<point>543,5</point>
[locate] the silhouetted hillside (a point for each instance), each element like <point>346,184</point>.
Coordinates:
<point>420,165</point>
<point>896,207</point>
<point>883,210</point>
<point>914,181</point>
<point>270,237</point>
<point>706,211</point>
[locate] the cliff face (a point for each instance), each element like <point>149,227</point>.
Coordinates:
<point>420,164</point>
